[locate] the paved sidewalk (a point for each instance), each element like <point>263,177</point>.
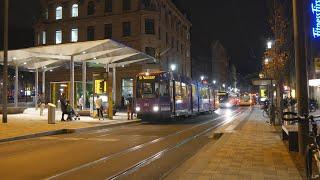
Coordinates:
<point>30,122</point>
<point>252,150</point>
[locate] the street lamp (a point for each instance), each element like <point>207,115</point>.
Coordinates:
<point>173,67</point>
<point>214,82</point>
<point>269,44</point>
<point>202,78</point>
<point>266,61</point>
<point>223,85</point>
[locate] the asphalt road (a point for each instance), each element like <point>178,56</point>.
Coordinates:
<point>138,151</point>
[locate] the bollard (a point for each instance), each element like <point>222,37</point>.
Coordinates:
<point>51,113</point>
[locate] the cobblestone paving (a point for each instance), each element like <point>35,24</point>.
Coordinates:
<point>254,151</point>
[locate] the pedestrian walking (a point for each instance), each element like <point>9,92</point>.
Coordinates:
<point>130,107</point>
<point>99,107</point>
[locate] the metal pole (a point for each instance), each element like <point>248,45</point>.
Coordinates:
<point>16,87</point>
<point>84,83</point>
<point>72,81</point>
<point>36,89</point>
<point>5,64</point>
<point>44,84</point>
<point>114,84</point>
<point>301,71</point>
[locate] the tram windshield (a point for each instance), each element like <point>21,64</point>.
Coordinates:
<point>152,88</point>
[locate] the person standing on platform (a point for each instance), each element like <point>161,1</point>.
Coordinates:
<point>130,107</point>
<point>98,104</point>
<point>41,103</point>
<point>63,107</point>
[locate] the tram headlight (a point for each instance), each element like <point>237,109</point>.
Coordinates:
<point>138,109</point>
<point>155,108</point>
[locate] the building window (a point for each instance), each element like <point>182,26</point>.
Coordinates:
<point>151,51</point>
<point>126,29</point>
<point>126,5</point>
<point>108,6</point>
<point>90,33</point>
<point>75,10</point>
<point>58,36</point>
<point>91,8</point>
<point>74,35</point>
<point>108,31</point>
<point>44,37</point>
<point>59,12</point>
<point>149,26</point>
<point>127,87</point>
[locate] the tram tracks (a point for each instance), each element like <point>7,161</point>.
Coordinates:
<point>180,138</point>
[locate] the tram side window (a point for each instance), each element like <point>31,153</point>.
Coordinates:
<point>194,91</point>
<point>204,93</point>
<point>184,92</point>
<point>178,91</point>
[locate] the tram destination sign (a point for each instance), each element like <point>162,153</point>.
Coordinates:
<point>147,77</point>
<point>315,8</point>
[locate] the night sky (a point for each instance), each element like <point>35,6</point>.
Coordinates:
<point>241,26</point>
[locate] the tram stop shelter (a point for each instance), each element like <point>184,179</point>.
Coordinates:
<point>106,53</point>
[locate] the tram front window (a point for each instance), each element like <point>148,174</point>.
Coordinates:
<point>152,89</point>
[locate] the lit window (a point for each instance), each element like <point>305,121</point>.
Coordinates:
<point>74,35</point>
<point>75,10</point>
<point>44,37</point>
<point>58,36</point>
<point>58,12</point>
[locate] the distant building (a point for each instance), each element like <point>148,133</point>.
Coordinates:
<point>220,62</point>
<point>155,27</point>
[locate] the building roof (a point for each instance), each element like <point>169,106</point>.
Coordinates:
<point>104,52</point>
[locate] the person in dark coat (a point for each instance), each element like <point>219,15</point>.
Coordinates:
<point>63,107</point>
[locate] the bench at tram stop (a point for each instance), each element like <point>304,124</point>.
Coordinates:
<point>290,133</point>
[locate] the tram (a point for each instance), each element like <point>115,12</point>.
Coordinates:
<point>165,95</point>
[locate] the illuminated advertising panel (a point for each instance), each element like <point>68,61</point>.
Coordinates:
<point>315,8</point>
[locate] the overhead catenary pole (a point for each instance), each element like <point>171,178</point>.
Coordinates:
<point>5,63</point>
<point>301,71</point>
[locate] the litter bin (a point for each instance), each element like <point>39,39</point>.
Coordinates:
<point>51,113</point>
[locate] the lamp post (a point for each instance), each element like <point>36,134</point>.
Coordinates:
<point>299,7</point>
<point>5,64</point>
<point>202,78</point>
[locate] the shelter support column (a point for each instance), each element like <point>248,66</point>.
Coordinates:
<point>44,84</point>
<point>84,82</point>
<point>16,87</point>
<point>114,84</point>
<point>36,88</point>
<point>72,81</point>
